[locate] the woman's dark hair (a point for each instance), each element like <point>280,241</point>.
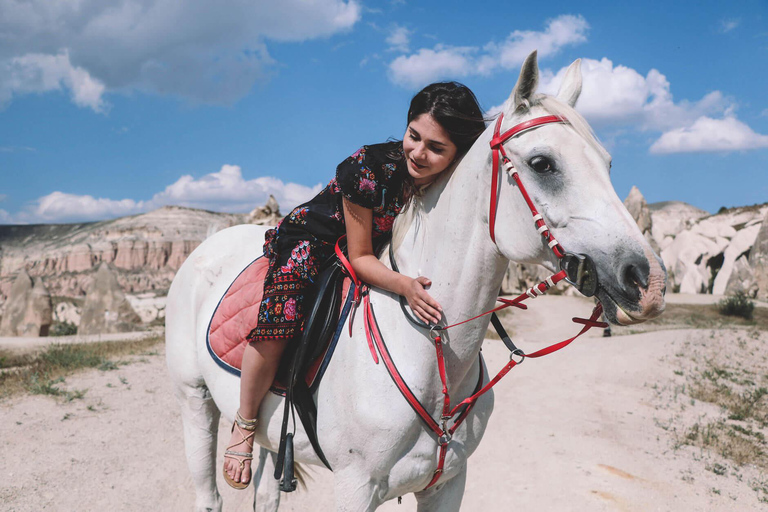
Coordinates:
<point>455,107</point>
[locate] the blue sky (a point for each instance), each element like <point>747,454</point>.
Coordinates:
<point>112,108</point>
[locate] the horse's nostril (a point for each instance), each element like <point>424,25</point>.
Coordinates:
<point>634,276</point>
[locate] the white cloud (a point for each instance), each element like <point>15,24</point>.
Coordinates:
<point>620,95</point>
<point>37,73</point>
<point>224,191</point>
<point>729,24</point>
<point>427,65</point>
<point>710,135</point>
<point>205,51</point>
<point>62,207</point>
<point>443,61</point>
<point>399,39</point>
<point>560,32</point>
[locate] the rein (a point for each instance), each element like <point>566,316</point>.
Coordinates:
<point>577,270</point>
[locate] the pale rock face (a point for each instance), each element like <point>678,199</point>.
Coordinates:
<point>758,260</point>
<point>702,258</point>
<point>67,312</point>
<point>29,311</point>
<point>148,306</point>
<point>742,278</point>
<point>638,208</point>
<point>106,309</point>
<point>146,249</point>
<point>741,243</point>
<point>267,215</point>
<point>671,218</point>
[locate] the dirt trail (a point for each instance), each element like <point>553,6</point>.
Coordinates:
<point>577,430</point>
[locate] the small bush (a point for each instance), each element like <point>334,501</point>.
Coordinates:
<point>737,305</point>
<point>63,329</point>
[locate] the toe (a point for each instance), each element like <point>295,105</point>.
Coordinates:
<point>246,473</point>
<point>236,476</point>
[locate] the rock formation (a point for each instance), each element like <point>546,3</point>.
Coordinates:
<point>758,260</point>
<point>146,250</point>
<point>702,258</point>
<point>670,218</point>
<point>266,215</point>
<point>638,208</point>
<point>106,309</point>
<point>29,311</point>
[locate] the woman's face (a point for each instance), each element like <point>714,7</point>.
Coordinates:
<point>428,149</point>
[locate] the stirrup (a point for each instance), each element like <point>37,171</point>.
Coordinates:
<point>249,426</point>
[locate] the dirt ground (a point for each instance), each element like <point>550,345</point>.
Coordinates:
<point>607,424</point>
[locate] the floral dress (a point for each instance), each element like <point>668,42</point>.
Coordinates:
<point>373,177</point>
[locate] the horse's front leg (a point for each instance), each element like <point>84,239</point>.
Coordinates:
<point>267,495</point>
<point>445,497</point>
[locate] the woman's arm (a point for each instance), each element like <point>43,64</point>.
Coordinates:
<point>359,222</point>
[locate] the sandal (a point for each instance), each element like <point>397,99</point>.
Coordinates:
<point>249,426</point>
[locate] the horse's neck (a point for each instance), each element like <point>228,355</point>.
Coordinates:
<point>449,243</point>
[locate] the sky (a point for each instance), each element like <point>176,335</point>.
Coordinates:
<point>118,107</point>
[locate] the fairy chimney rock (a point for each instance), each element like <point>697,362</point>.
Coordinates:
<point>266,215</point>
<point>758,260</point>
<point>106,309</point>
<point>29,310</point>
<point>638,208</point>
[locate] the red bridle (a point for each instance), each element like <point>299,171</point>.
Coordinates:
<point>497,147</point>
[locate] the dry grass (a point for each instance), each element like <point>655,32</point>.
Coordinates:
<point>40,373</point>
<point>733,379</point>
<point>734,442</point>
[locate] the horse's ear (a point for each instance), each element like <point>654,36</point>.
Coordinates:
<point>570,89</point>
<point>527,83</point>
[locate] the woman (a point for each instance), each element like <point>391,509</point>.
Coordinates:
<point>371,187</point>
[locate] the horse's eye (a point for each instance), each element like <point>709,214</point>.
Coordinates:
<point>541,164</point>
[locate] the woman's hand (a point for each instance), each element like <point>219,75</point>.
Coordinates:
<point>422,304</point>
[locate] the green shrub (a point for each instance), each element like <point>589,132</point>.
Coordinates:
<point>63,329</point>
<point>737,305</point>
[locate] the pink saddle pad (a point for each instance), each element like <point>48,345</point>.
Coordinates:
<point>238,313</point>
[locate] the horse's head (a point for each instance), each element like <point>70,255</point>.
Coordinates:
<point>566,173</point>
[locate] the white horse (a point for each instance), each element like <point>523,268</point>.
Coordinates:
<point>378,447</point>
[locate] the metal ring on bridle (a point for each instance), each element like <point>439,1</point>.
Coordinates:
<point>518,353</point>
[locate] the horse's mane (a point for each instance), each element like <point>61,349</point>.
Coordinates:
<point>577,122</point>
<point>416,209</point>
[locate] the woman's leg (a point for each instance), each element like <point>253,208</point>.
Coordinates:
<point>260,363</point>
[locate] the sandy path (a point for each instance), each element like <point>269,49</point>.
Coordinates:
<point>574,431</point>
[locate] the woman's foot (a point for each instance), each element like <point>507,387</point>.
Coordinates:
<point>239,453</point>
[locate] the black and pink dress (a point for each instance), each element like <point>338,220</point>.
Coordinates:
<point>373,177</point>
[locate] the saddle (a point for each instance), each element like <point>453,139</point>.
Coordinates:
<point>304,362</point>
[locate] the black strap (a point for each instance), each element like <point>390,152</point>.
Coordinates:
<point>504,336</point>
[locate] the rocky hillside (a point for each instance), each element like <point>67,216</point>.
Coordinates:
<point>143,253</point>
<point>145,249</point>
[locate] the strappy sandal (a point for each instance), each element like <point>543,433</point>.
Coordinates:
<point>242,425</point>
